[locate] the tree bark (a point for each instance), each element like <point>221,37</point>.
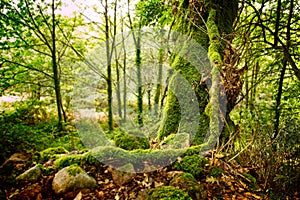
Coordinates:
<point>225,13</point>
<point>55,70</point>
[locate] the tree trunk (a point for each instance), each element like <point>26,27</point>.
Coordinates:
<point>118,89</point>
<point>55,71</point>
<point>158,82</point>
<point>226,12</point>
<point>124,75</point>
<point>139,79</point>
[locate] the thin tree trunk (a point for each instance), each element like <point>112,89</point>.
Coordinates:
<point>55,70</point>
<point>159,81</point>
<point>108,78</point>
<point>278,99</point>
<point>139,79</point>
<point>279,94</point>
<point>118,90</point>
<point>124,74</point>
<point>149,99</point>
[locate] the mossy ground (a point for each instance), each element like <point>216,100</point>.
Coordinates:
<point>167,193</point>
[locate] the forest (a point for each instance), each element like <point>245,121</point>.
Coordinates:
<point>149,99</point>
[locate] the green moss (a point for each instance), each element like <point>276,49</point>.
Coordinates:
<point>216,172</point>
<point>49,170</point>
<point>192,164</point>
<point>68,160</point>
<point>131,140</point>
<point>171,117</point>
<point>50,153</point>
<point>79,159</point>
<point>167,193</point>
<point>188,183</point>
<point>75,169</point>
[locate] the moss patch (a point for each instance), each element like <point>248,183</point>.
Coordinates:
<point>131,140</point>
<point>216,172</point>
<point>167,193</point>
<point>192,164</point>
<point>51,153</point>
<point>79,159</point>
<point>75,169</point>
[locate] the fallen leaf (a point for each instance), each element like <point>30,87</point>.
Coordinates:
<point>78,196</point>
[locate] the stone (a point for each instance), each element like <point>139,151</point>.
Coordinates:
<point>72,178</point>
<point>33,174</point>
<point>17,158</point>
<point>122,174</point>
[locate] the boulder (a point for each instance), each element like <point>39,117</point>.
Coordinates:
<point>123,174</point>
<point>17,158</point>
<point>72,178</point>
<point>33,174</point>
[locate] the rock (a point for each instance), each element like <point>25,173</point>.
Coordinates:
<point>17,158</point>
<point>123,174</point>
<point>33,174</point>
<point>176,141</point>
<point>189,184</point>
<point>72,178</point>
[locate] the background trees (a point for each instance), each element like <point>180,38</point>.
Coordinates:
<point>36,42</point>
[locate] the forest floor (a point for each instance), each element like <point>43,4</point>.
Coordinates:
<point>231,184</point>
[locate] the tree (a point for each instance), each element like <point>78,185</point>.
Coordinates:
<point>195,19</point>
<point>29,29</point>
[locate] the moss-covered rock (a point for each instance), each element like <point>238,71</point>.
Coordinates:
<point>188,183</point>
<point>51,153</point>
<point>74,170</point>
<point>79,159</point>
<point>32,174</point>
<point>167,193</point>
<point>192,164</point>
<point>117,157</point>
<point>72,178</point>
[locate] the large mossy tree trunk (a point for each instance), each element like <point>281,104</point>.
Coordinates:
<point>191,18</point>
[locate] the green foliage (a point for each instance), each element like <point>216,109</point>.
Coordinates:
<point>153,12</point>
<point>192,164</point>
<point>167,193</point>
<point>23,129</point>
<point>131,140</point>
